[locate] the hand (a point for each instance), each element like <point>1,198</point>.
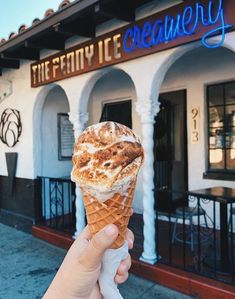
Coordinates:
<point>79,272</point>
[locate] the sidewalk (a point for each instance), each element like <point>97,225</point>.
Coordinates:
<point>27,266</point>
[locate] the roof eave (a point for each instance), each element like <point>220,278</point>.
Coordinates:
<point>73,9</point>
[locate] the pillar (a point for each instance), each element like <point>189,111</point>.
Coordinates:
<point>79,120</point>
<point>147,108</point>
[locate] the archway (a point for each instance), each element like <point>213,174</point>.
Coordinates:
<point>53,147</point>
<point>51,104</point>
<point>114,87</point>
<point>199,149</point>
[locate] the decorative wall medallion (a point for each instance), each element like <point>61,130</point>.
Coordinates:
<point>10,127</point>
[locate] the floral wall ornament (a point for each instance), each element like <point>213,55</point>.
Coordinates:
<point>10,127</point>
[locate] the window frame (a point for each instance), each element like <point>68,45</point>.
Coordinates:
<point>218,174</point>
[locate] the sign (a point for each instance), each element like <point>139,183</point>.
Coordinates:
<point>65,137</point>
<point>183,23</point>
<point>195,118</point>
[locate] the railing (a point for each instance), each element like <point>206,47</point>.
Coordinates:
<point>55,206</point>
<point>195,237</point>
<point>192,236</point>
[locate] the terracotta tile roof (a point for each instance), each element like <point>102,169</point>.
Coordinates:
<point>47,14</point>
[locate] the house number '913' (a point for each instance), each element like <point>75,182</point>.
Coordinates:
<point>195,125</point>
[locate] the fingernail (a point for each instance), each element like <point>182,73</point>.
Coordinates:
<point>110,230</point>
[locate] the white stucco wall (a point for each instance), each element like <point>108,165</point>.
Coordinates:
<point>212,66</point>
<point>22,99</point>
<point>115,86</point>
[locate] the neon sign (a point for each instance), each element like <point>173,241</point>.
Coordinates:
<point>188,21</point>
<point>184,24</point>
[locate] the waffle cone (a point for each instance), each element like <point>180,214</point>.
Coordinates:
<point>116,210</point>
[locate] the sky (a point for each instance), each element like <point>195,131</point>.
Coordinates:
<point>17,12</point>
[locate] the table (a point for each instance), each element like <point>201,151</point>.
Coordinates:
<point>224,196</point>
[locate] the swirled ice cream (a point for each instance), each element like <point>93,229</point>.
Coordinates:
<point>107,157</point>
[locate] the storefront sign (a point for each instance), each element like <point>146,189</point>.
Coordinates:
<point>195,137</point>
<point>183,23</point>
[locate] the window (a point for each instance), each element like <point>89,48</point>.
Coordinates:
<point>221,128</point>
<point>119,112</point>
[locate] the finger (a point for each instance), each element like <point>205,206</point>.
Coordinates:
<point>130,238</point>
<point>85,234</point>
<point>121,278</point>
<point>80,243</point>
<point>124,266</point>
<point>99,243</point>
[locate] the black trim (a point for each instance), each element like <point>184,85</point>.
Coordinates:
<point>223,176</point>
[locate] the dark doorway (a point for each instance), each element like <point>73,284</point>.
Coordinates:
<point>119,112</point>
<point>170,151</point>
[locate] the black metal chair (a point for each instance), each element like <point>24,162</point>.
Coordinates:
<point>188,213</point>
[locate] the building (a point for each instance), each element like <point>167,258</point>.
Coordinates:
<point>165,68</point>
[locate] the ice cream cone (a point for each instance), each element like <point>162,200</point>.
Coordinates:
<point>116,210</point>
<point>106,161</point>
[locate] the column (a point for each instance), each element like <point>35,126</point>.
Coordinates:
<point>147,109</point>
<point>79,120</point>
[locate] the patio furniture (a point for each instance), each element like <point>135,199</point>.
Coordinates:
<point>223,196</point>
<point>188,213</point>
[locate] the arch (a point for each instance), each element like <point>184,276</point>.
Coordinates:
<point>176,74</point>
<point>109,86</point>
<point>90,84</point>
<point>176,54</point>
<point>36,121</point>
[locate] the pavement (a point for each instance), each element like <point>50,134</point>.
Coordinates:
<point>28,265</point>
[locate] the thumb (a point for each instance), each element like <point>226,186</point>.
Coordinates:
<point>101,241</point>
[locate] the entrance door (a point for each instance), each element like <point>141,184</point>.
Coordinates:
<point>170,151</point>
